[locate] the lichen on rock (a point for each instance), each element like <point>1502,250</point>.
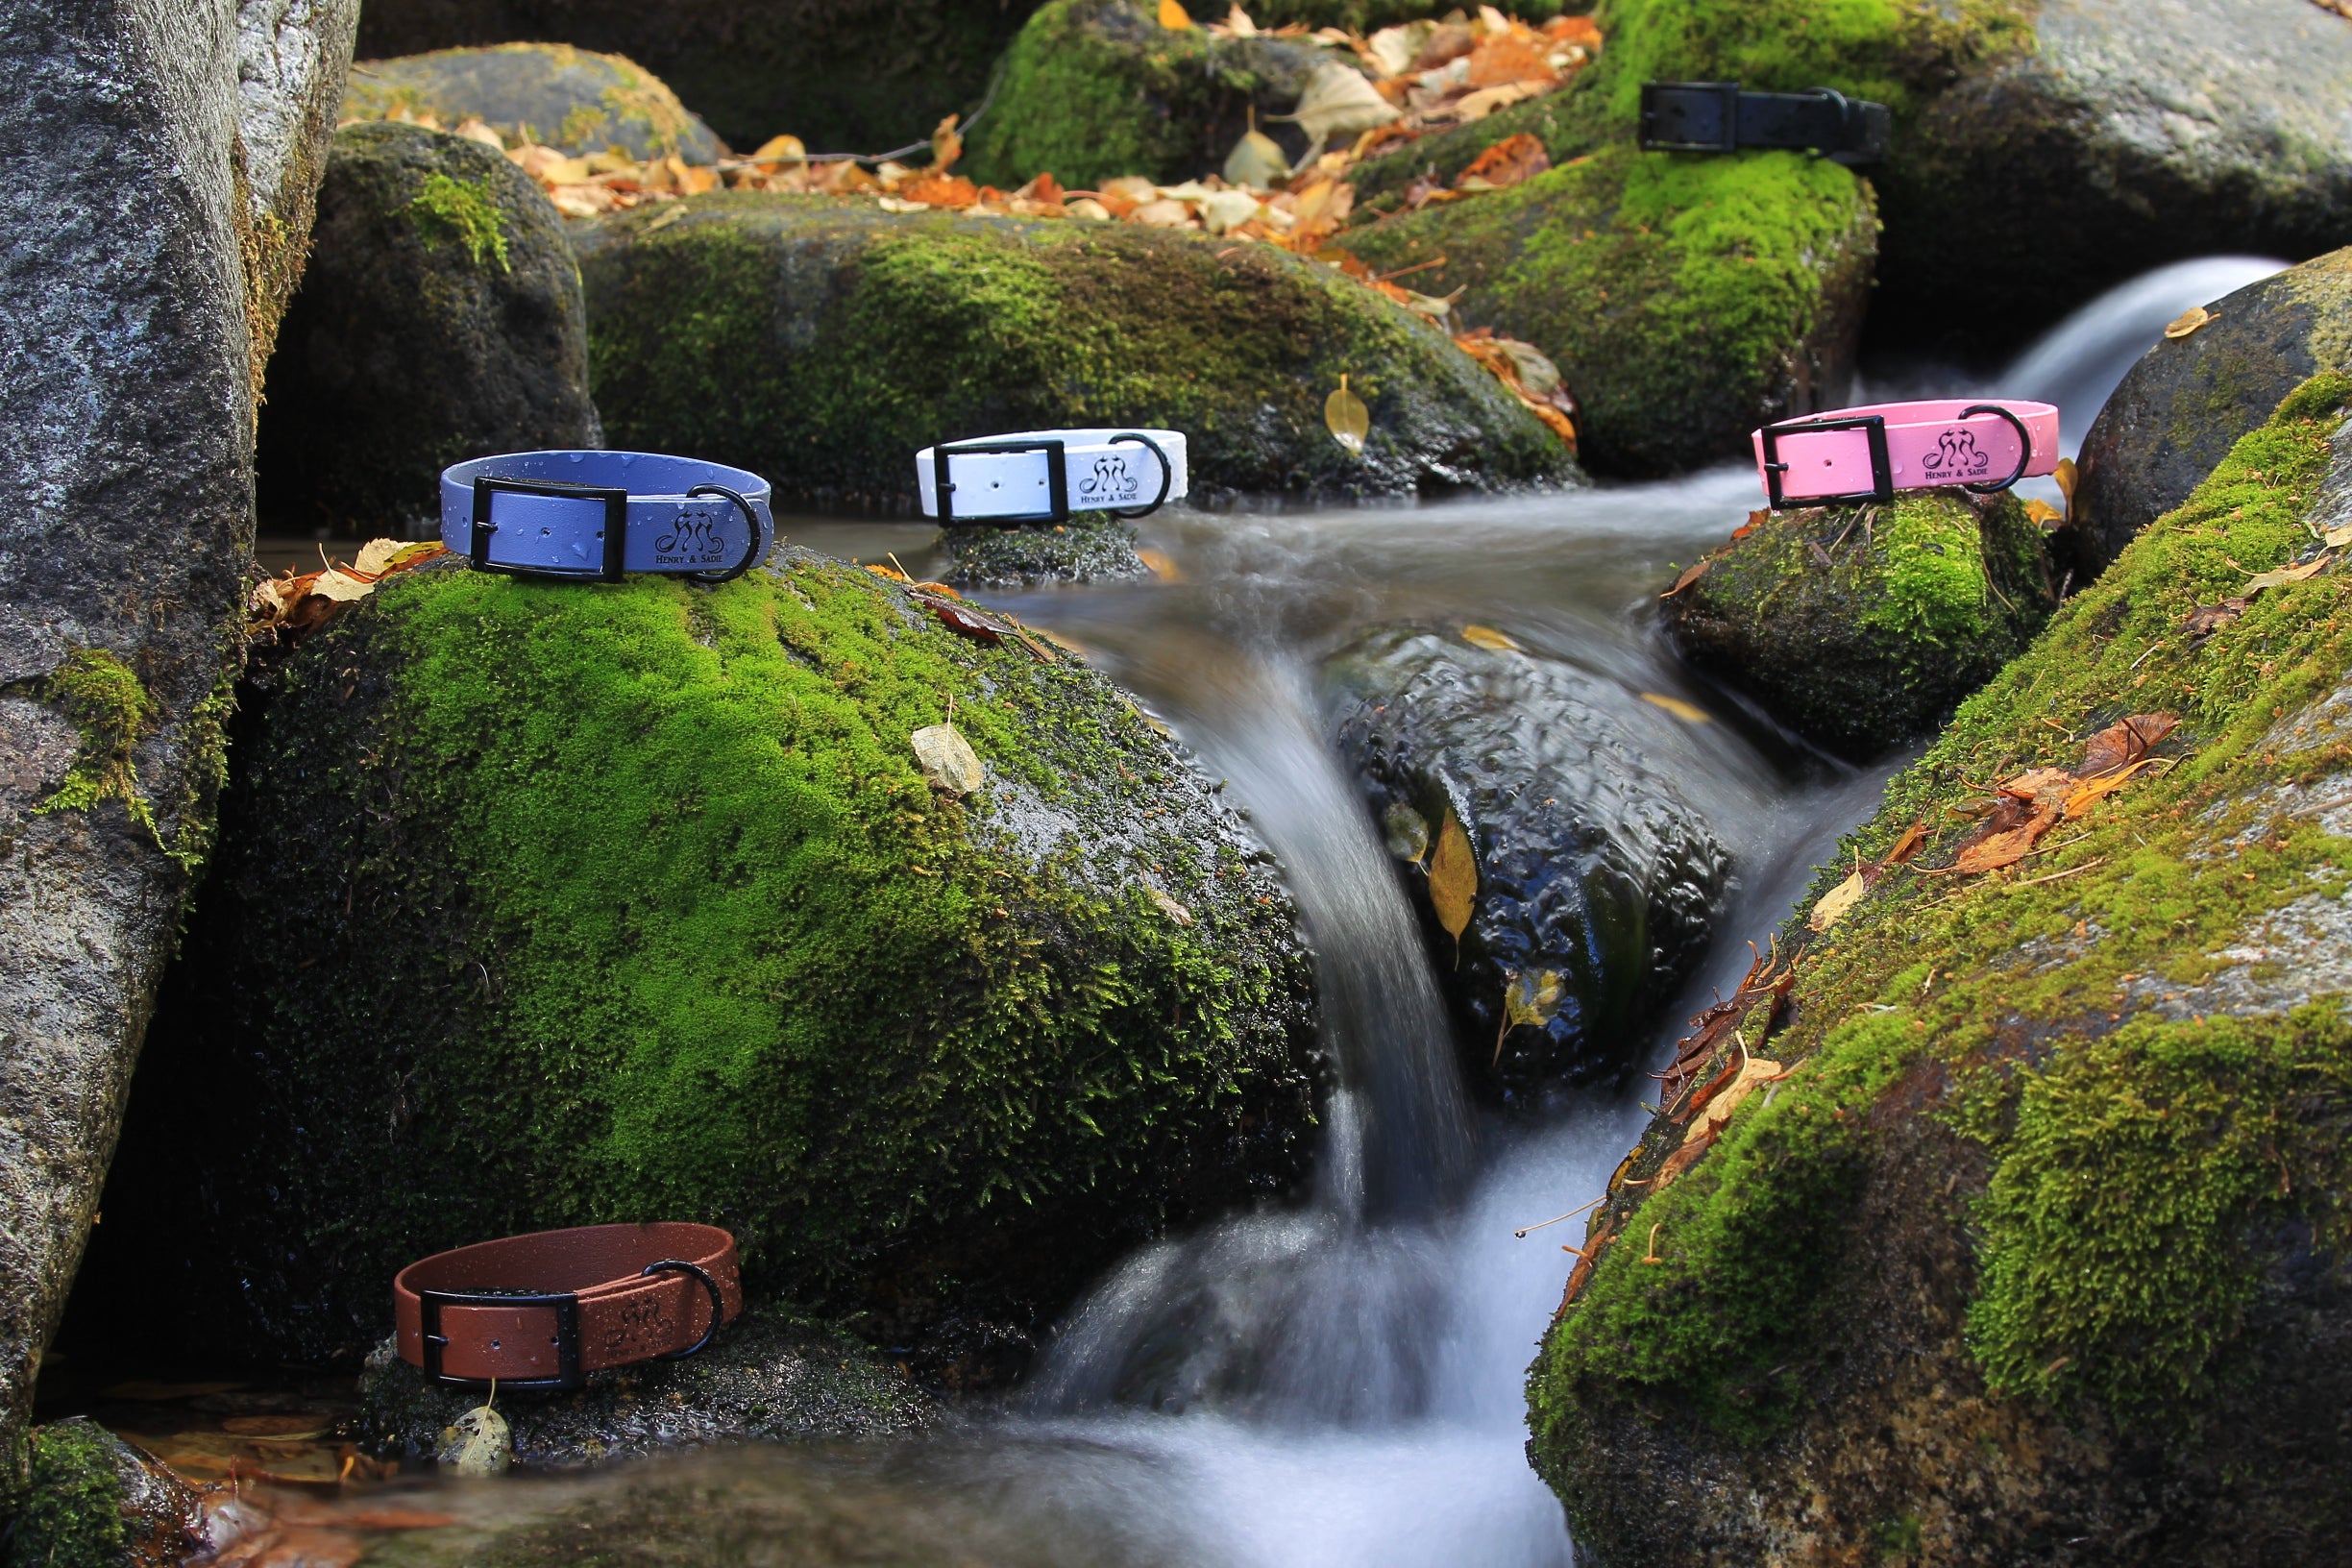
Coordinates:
<point>550,93</point>
<point>2015,1196</point>
<point>542,904</point>
<point>822,342</point>
<point>1862,627</point>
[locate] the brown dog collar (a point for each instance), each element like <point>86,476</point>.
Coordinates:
<point>543,1311</point>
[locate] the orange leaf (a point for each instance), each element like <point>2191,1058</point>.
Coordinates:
<point>1690,574</point>
<point>2007,847</point>
<point>951,191</point>
<point>2120,744</point>
<point>1508,163</point>
<point>1173,16</point>
<point>1909,844</point>
<point>1508,58</point>
<point>2105,784</point>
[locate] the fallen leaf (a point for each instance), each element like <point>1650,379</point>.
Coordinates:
<point>892,573</point>
<point>478,1443</point>
<point>1406,831</point>
<point>1161,565</point>
<point>1836,902</point>
<point>1452,878</point>
<point>1257,159</point>
<point>947,759</point>
<point>1509,57</point>
<point>2285,575</point>
<point>1168,906</point>
<point>2122,743</point>
<point>2039,785</point>
<point>967,621</point>
<point>2007,846</point>
<point>1487,100</point>
<point>2207,619</point>
<point>1909,844</point>
<point>1173,16</point>
<point>780,149</point>
<point>1493,641</point>
<point>2096,789</point>
<point>1340,100</point>
<point>1682,1159</point>
<point>2188,321</point>
<point>1348,419</point>
<point>1532,999</point>
<point>946,145</point>
<point>1162,213</point>
<point>1753,1074</point>
<point>2066,475</point>
<point>1510,161</point>
<point>2043,515</point>
<point>1690,574</point>
<point>1688,713</point>
<point>1228,209</point>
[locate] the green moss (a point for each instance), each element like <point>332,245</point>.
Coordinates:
<point>1684,299</point>
<point>823,343</point>
<point>462,213</point>
<point>104,698</point>
<point>73,1512</point>
<point>2142,1177</point>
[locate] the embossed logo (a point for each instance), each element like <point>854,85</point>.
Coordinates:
<point>694,539</point>
<point>1957,458</point>
<point>1108,483</point>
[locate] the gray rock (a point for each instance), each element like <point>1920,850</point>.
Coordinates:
<point>2130,134</point>
<point>1598,882</point>
<point>2182,406</point>
<point>125,517</point>
<point>550,93</point>
<point>1087,548</point>
<point>440,320</point>
<point>764,1378</point>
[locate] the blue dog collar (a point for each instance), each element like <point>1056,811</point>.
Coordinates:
<point>594,515</point>
<point>1045,475</point>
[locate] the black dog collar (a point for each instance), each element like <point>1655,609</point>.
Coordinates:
<point>1717,117</point>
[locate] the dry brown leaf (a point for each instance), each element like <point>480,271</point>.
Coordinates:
<point>2189,321</point>
<point>1510,161</point>
<point>946,145</point>
<point>2007,846</point>
<point>2207,618</point>
<point>2122,743</point>
<point>1753,1074</point>
<point>2105,784</point>
<point>1168,906</point>
<point>1452,878</point>
<point>1348,419</point>
<point>1836,902</point>
<point>1909,844</point>
<point>947,759</point>
<point>1493,641</point>
<point>2285,575</point>
<point>1690,574</point>
<point>2066,476</point>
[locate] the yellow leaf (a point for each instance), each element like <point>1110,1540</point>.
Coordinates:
<point>1685,711</point>
<point>780,149</point>
<point>1836,902</point>
<point>341,586</point>
<point>1161,565</point>
<point>2285,575</point>
<point>478,1443</point>
<point>2337,538</point>
<point>1348,419</point>
<point>2065,474</point>
<point>1255,162</point>
<point>2043,515</point>
<point>1493,641</point>
<point>1534,998</point>
<point>1173,16</point>
<point>1452,878</point>
<point>947,759</point>
<point>1753,1074</point>
<point>2188,321</point>
<point>2081,799</point>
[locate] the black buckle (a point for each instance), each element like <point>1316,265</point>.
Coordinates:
<point>680,1265</point>
<point>566,1307</point>
<point>1057,478</point>
<point>616,523</point>
<point>1883,467</point>
<point>1664,102</point>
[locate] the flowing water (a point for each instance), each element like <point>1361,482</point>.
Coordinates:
<point>1339,1380</point>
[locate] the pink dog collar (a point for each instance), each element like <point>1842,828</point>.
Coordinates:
<point>1867,454</point>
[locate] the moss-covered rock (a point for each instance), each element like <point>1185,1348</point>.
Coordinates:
<point>440,319</point>
<point>764,1378</point>
<point>823,342</point>
<point>550,93</point>
<point>1592,883</point>
<point>542,904</point>
<point>845,75</point>
<point>2051,1186</point>
<point>2181,409</point>
<point>1090,547</point>
<point>1862,627</point>
<point>91,1501</point>
<point>1687,300</point>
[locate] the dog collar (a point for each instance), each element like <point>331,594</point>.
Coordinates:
<point>1717,117</point>
<point>1045,475</point>
<point>545,1310</point>
<point>1869,452</point>
<point>594,515</point>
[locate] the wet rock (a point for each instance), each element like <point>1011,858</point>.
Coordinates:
<point>163,157</point>
<point>1862,627</point>
<point>440,320</point>
<point>1686,301</point>
<point>1596,882</point>
<point>1087,548</point>
<point>1092,89</point>
<point>822,342</point>
<point>845,75</point>
<point>2046,1186</point>
<point>764,1378</point>
<point>93,1501</point>
<point>2187,401</point>
<point>550,93</point>
<point>543,905</point>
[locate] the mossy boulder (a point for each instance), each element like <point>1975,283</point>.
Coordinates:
<point>541,905</point>
<point>822,342</point>
<point>764,1378</point>
<point>1862,627</point>
<point>1543,797</point>
<point>845,75</point>
<point>440,319</point>
<point>1090,547</point>
<point>1687,300</point>
<point>550,93</point>
<point>2181,409</point>
<point>2052,1182</point>
<point>93,1501</point>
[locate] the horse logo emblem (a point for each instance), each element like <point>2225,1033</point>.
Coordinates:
<point>1108,483</point>
<point>1956,456</point>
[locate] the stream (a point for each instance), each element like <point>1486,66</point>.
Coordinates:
<point>1339,1380</point>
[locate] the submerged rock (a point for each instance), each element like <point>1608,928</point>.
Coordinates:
<point>1686,301</point>
<point>542,904</point>
<point>764,1378</point>
<point>1530,797</point>
<point>823,342</point>
<point>1090,547</point>
<point>1862,627</point>
<point>89,1500</point>
<point>2181,409</point>
<point>2039,1170</point>
<point>550,93</point>
<point>440,320</point>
